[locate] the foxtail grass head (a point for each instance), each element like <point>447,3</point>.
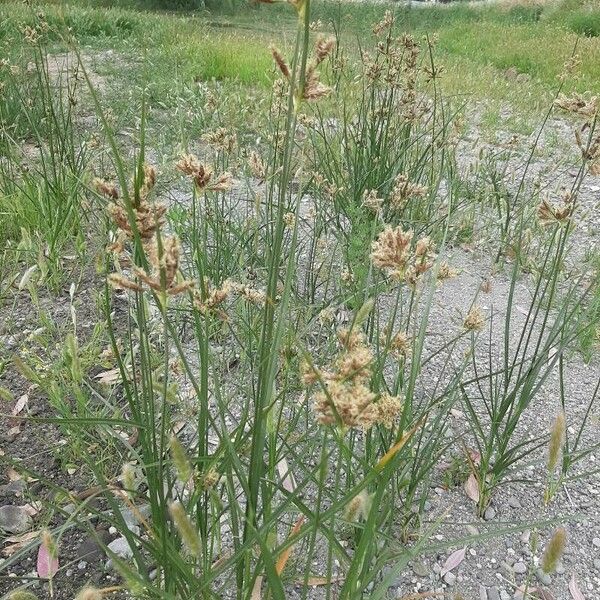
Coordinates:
<point>554,550</point>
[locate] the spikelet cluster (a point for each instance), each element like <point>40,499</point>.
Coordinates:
<point>405,190</point>
<point>214,297</point>
<point>578,105</point>
<point>554,550</point>
<point>557,440</point>
<point>89,593</point>
<point>556,213</point>
<point>185,528</point>
<point>344,396</point>
<point>221,139</point>
<point>393,252</point>
<point>162,252</point>
<point>474,321</point>
<point>312,88</point>
<point>202,175</point>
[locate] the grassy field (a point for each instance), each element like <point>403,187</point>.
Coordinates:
<point>299,300</point>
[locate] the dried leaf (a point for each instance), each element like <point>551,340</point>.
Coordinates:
<point>285,555</point>
<point>453,561</point>
<point>16,542</point>
<point>12,474</point>
<point>109,377</point>
<point>472,488</point>
<point>47,565</point>
<point>20,405</point>
<point>574,589</point>
<point>13,431</point>
<point>32,508</point>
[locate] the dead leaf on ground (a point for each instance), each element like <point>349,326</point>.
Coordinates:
<point>47,565</point>
<point>453,561</point>
<point>20,405</point>
<point>109,377</point>
<point>16,542</point>
<point>472,488</point>
<point>574,589</point>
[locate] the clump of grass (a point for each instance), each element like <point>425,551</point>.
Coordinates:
<point>274,388</point>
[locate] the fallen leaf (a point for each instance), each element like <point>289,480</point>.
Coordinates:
<point>32,508</point>
<point>472,488</point>
<point>20,405</point>
<point>574,589</point>
<point>453,561</point>
<point>47,565</point>
<point>13,431</point>
<point>12,474</point>
<point>16,542</point>
<point>285,555</point>
<point>109,377</point>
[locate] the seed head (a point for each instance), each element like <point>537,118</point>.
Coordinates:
<point>557,440</point>
<point>89,593</point>
<point>106,188</point>
<point>358,508</point>
<point>181,460</point>
<point>554,550</point>
<point>186,529</point>
<point>281,62</point>
<point>474,321</point>
<point>391,250</point>
<point>389,408</point>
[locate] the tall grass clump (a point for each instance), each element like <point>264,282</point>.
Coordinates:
<point>276,402</point>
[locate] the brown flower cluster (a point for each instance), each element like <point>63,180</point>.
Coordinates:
<point>404,190</point>
<point>312,88</point>
<point>146,219</point>
<point>221,139</point>
<point>578,104</point>
<point>552,213</point>
<point>392,251</point>
<point>345,396</point>
<point>202,175</point>
<point>212,299</point>
<point>474,321</point>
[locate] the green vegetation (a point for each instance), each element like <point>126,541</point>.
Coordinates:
<point>264,295</point>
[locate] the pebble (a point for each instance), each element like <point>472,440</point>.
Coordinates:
<point>90,550</point>
<point>597,563</point>
<point>514,502</point>
<point>493,593</point>
<point>81,565</point>
<point>472,530</point>
<point>489,513</point>
<point>420,568</point>
<point>121,548</point>
<point>596,542</point>
<point>543,577</point>
<point>14,519</point>
<point>14,488</point>
<point>450,578</point>
<point>520,568</point>
<point>483,595</point>
<point>504,595</point>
